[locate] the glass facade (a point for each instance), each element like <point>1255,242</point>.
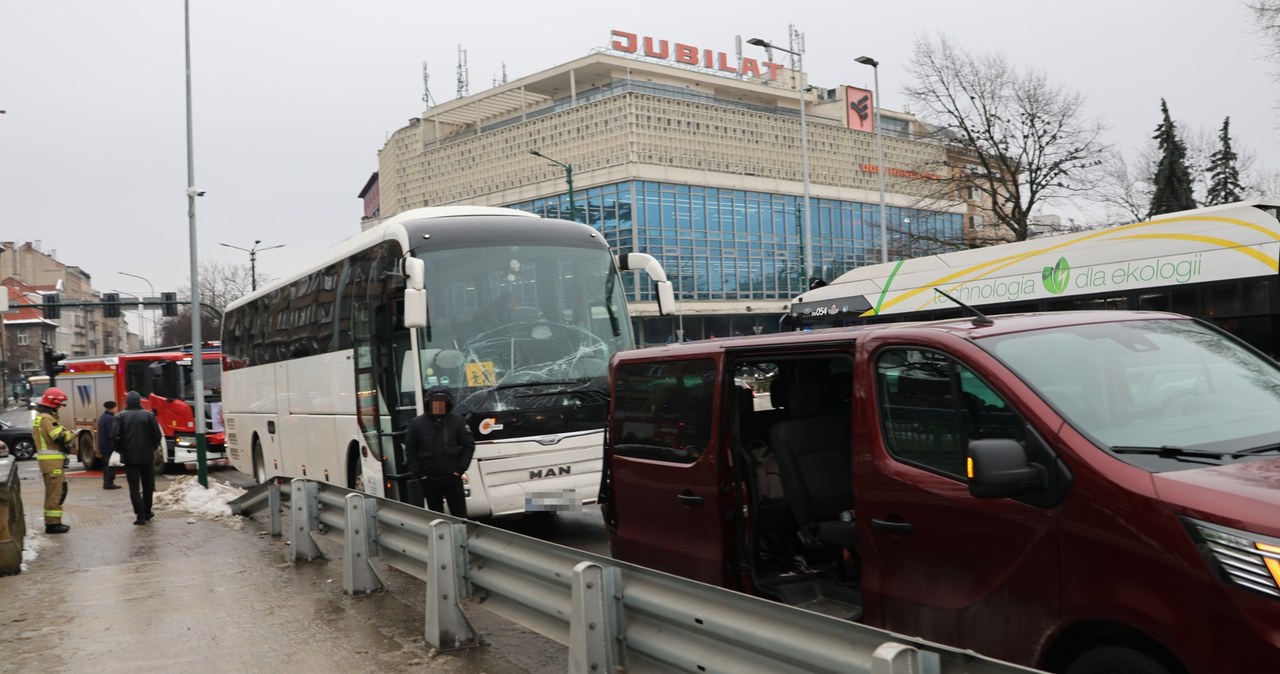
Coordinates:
<point>725,244</point>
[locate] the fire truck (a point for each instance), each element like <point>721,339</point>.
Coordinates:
<point>165,380</point>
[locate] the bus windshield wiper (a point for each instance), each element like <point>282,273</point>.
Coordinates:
<point>567,386</point>
<point>1261,449</point>
<point>1170,451</point>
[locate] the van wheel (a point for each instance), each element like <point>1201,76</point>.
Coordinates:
<point>158,458</point>
<point>84,447</point>
<point>1116,660</point>
<point>259,464</point>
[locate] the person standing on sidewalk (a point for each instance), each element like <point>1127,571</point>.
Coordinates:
<point>51,439</point>
<point>438,448</point>
<point>104,444</point>
<point>135,434</point>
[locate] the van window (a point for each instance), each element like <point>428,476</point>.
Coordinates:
<point>662,411</point>
<point>933,406</point>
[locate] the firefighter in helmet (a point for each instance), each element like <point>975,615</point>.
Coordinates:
<point>52,438</point>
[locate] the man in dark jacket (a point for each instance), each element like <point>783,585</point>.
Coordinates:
<point>438,448</point>
<point>104,444</point>
<point>135,434</point>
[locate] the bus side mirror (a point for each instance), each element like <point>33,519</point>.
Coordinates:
<point>415,297</point>
<point>998,468</point>
<point>666,298</point>
<point>415,308</point>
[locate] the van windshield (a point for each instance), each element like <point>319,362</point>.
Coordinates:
<point>1160,394</point>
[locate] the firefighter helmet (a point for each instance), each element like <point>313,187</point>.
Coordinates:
<point>54,398</point>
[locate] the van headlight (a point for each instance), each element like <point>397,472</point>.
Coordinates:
<point>1241,558</point>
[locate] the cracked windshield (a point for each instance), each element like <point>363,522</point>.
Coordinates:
<point>525,343</point>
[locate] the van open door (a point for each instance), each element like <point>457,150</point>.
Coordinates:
<point>663,502</point>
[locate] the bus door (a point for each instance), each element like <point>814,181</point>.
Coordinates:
<point>666,505</point>
<point>378,336</point>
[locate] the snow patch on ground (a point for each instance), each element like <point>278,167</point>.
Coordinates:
<point>31,545</point>
<point>211,503</point>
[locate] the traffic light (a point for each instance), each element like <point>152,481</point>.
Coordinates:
<point>111,305</point>
<point>52,306</point>
<point>170,307</point>
<point>53,362</point>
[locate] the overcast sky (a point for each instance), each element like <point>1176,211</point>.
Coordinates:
<point>293,99</point>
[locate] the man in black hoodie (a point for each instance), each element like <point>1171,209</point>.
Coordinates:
<point>438,448</point>
<point>135,434</point>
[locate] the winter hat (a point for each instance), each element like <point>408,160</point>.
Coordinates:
<point>110,404</point>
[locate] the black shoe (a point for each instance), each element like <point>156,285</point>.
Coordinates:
<point>140,520</point>
<point>110,486</point>
<point>56,528</point>
<point>150,516</point>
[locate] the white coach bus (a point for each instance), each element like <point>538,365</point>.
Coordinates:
<point>1217,263</point>
<point>518,315</point>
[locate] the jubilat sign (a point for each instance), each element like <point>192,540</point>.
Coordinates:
<point>632,43</point>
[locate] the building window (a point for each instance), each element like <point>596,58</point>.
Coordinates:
<point>23,339</point>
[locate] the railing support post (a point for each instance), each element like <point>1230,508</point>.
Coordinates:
<point>894,658</point>
<point>306,519</point>
<point>273,508</point>
<point>595,624</point>
<point>447,627</point>
<point>358,575</point>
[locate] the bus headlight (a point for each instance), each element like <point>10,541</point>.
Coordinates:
<point>1247,560</point>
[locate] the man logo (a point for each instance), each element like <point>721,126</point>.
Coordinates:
<point>550,472</point>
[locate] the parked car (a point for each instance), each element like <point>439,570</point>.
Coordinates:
<point>18,438</point>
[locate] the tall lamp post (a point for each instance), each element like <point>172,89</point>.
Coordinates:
<point>806,244</point>
<point>875,68</point>
<point>153,294</point>
<point>142,318</point>
<point>568,178</point>
<point>197,351</point>
<point>253,259</point>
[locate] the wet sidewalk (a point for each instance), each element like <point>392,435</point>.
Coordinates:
<point>214,595</point>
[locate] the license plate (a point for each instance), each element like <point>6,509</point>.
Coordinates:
<point>565,500</point>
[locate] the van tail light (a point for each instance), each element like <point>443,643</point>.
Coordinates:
<point>1241,558</point>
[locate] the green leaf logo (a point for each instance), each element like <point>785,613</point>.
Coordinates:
<point>1056,277</point>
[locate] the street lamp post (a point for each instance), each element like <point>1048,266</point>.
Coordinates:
<point>253,257</point>
<point>875,68</point>
<point>806,244</point>
<point>197,351</point>
<point>568,178</point>
<point>142,318</point>
<point>153,294</point>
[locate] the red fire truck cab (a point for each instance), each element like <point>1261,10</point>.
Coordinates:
<point>165,380</point>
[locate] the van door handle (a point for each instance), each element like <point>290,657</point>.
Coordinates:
<point>689,499</point>
<point>892,527</point>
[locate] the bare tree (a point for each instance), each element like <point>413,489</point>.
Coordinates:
<point>220,285</point>
<point>1025,142</point>
<point>1124,187</point>
<point>1267,14</point>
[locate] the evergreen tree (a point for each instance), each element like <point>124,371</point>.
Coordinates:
<point>1224,177</point>
<point>1173,179</point>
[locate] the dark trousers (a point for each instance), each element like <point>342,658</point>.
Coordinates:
<point>142,485</point>
<point>108,472</point>
<point>438,490</point>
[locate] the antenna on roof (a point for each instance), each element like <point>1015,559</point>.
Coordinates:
<point>426,86</point>
<point>979,318</point>
<point>499,82</point>
<point>464,86</point>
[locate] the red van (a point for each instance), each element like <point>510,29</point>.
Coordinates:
<point>1081,492</point>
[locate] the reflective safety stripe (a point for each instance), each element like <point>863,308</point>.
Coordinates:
<point>56,472</point>
<point>50,457</point>
<point>53,513</point>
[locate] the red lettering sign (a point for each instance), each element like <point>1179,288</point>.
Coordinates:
<point>631,43</point>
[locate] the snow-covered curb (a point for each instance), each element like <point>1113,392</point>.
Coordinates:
<point>212,503</point>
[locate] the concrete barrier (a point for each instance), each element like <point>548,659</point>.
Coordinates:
<point>13,528</point>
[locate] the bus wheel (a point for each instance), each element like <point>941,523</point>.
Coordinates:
<point>355,472</point>
<point>84,447</point>
<point>259,465</point>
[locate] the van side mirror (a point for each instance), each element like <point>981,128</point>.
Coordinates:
<point>998,468</point>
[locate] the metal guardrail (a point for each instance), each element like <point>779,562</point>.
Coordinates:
<point>613,616</point>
